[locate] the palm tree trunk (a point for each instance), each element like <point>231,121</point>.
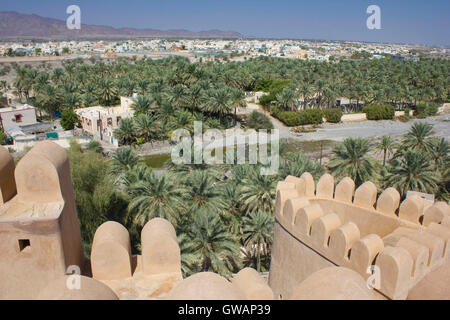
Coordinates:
<point>384,158</point>
<point>258,257</point>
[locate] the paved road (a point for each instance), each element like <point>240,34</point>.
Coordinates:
<point>375,129</point>
<point>365,129</point>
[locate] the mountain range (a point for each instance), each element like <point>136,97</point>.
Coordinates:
<point>15,25</point>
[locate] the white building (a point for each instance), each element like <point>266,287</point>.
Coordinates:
<point>17,116</point>
<point>100,122</point>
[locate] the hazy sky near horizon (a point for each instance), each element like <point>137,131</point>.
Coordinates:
<point>402,21</point>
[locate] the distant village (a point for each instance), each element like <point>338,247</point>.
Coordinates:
<point>232,49</point>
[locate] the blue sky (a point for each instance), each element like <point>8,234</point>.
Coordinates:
<point>402,21</point>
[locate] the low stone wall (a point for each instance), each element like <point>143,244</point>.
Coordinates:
<point>363,116</point>
<point>20,146</point>
<point>354,117</point>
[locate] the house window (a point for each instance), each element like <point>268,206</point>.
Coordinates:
<point>118,120</point>
<point>110,122</point>
<point>18,118</point>
<point>23,244</point>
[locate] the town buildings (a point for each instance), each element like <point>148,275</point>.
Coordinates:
<point>11,117</point>
<point>100,122</point>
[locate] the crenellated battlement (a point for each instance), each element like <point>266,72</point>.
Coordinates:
<point>322,230</point>
<point>40,241</point>
<point>356,229</point>
<point>39,231</point>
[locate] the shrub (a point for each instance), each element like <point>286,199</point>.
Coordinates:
<point>2,136</point>
<point>289,118</point>
<point>425,109</point>
<point>273,87</point>
<point>94,146</point>
<point>275,111</point>
<point>68,119</point>
<point>377,112</point>
<point>333,115</point>
<point>311,116</point>
<point>266,100</point>
<point>293,118</point>
<point>258,121</point>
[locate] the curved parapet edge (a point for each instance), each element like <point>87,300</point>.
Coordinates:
<point>308,216</point>
<point>7,180</point>
<point>252,285</point>
<point>111,252</point>
<point>160,249</point>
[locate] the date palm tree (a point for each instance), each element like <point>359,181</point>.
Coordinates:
<point>418,138</point>
<point>48,99</point>
<point>146,126</point>
<point>126,131</point>
<point>299,165</point>
<point>107,91</point>
<point>155,196</point>
<point>258,191</point>
<point>216,248</point>
<point>412,172</point>
<point>190,261</point>
<point>218,102</point>
<point>440,150</point>
<point>305,91</point>
<point>386,145</point>
<point>123,160</point>
<point>202,192</point>
<point>351,159</point>
<point>258,234</point>
<point>238,101</point>
<point>142,104</point>
<point>177,96</point>
<point>195,97</point>
<point>286,99</point>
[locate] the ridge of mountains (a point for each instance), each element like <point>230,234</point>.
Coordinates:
<point>22,26</point>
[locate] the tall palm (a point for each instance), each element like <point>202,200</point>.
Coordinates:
<point>386,144</point>
<point>219,102</point>
<point>177,96</point>
<point>138,172</point>
<point>418,137</point>
<point>195,97</point>
<point>258,234</point>
<point>107,91</point>
<point>124,159</point>
<point>142,104</point>
<point>125,132</point>
<point>3,85</point>
<point>48,99</point>
<point>351,159</point>
<point>155,196</point>
<point>299,165</point>
<point>258,191</point>
<point>146,126</point>
<point>286,99</point>
<point>413,171</point>
<point>215,247</point>
<point>305,91</point>
<point>71,100</point>
<point>238,101</point>
<point>190,261</point>
<point>202,192</point>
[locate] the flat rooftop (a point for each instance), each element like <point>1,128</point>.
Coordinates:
<point>15,209</point>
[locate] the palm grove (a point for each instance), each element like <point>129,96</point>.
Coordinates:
<point>224,214</point>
